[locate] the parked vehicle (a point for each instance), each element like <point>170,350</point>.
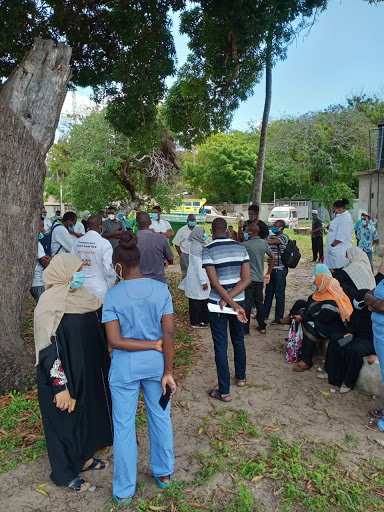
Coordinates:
<point>189,205</point>
<point>286,213</point>
<point>213,214</point>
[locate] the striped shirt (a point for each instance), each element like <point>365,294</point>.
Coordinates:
<point>226,256</point>
<point>278,250</point>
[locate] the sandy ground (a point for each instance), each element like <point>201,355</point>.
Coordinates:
<point>276,395</point>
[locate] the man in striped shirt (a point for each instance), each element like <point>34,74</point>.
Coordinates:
<point>227,266</point>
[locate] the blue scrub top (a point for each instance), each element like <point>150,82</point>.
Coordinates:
<point>138,305</point>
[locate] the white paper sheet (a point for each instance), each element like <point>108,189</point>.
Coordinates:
<point>215,308</point>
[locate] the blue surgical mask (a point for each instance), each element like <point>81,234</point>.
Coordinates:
<point>88,216</point>
<point>275,230</point>
<point>205,236</point>
<point>246,236</point>
<point>379,254</point>
<point>78,280</point>
<point>192,223</point>
<point>335,214</point>
<point>71,228</point>
<point>41,236</point>
<point>155,216</point>
<point>44,216</point>
<point>314,288</point>
<point>358,304</point>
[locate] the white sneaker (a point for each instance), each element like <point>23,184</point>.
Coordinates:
<point>344,389</point>
<point>322,375</point>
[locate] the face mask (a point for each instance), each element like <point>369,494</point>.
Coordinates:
<point>379,254</point>
<point>41,236</point>
<point>88,216</point>
<point>78,280</point>
<point>205,236</point>
<point>44,216</point>
<point>246,236</point>
<point>71,228</point>
<point>120,273</point>
<point>357,304</point>
<point>192,223</point>
<point>111,216</point>
<point>155,216</point>
<point>314,287</point>
<point>275,230</point>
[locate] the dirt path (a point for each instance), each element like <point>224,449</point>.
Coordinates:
<point>275,396</point>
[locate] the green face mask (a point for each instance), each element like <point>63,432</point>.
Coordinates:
<point>41,236</point>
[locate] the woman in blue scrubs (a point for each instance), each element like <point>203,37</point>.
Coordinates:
<point>138,317</point>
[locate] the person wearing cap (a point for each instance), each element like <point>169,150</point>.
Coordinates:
<point>84,222</point>
<point>317,237</point>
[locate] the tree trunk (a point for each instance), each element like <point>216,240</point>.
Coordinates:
<point>264,128</point>
<point>30,106</point>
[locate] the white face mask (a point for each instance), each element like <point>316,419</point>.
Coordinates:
<point>120,273</point>
<point>111,216</point>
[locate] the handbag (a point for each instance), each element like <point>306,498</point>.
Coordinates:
<point>295,340</point>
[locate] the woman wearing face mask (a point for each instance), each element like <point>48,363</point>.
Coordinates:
<point>344,357</point>
<point>339,238</point>
<point>356,274</point>
<point>325,316</point>
<point>196,284</point>
<point>138,317</point>
<point>72,373</point>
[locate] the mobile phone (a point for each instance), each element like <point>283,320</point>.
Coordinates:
<point>345,341</point>
<point>164,399</point>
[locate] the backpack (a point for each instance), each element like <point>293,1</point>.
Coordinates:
<point>295,340</point>
<point>46,241</point>
<point>291,255</point>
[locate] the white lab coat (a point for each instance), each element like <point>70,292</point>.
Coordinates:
<point>340,229</point>
<point>192,284</point>
<point>96,255</point>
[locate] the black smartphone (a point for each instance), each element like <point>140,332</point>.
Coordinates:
<point>164,399</point>
<point>345,341</point>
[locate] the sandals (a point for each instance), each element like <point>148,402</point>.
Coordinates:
<point>377,414</point>
<point>215,393</point>
<point>161,484</point>
<point>125,501</point>
<point>301,367</point>
<point>241,383</point>
<point>103,465</point>
<point>374,426</point>
<point>76,484</point>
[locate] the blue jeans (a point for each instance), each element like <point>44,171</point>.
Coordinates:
<point>219,325</point>
<point>378,343</point>
<point>369,254</point>
<point>276,288</point>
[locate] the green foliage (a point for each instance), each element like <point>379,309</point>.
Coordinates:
<point>224,168</point>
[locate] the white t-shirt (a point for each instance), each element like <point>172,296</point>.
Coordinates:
<point>181,239</point>
<point>160,226</point>
<point>39,269</point>
<point>339,229</point>
<point>47,225</point>
<point>79,228</point>
<point>96,255</point>
<point>61,237</point>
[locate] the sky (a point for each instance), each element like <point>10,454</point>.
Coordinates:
<point>341,56</point>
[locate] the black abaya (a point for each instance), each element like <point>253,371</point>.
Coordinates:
<point>81,353</point>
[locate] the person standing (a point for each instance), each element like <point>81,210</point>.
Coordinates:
<point>37,288</point>
<point>317,237</point>
<point>367,237</point>
<point>227,266</point>
<point>47,223</point>
<point>122,216</point>
<point>358,225</point>
<point>257,248</point>
<point>196,283</point>
<point>113,228</point>
<point>138,318</point>
<point>253,216</point>
<point>278,280</point>
<point>154,249</point>
<point>160,226</point>
<point>182,243</point>
<point>96,255</point>
<point>84,221</point>
<point>339,238</point>
<point>61,240</point>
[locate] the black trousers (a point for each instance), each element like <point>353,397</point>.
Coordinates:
<point>198,311</point>
<point>317,247</point>
<point>254,297</point>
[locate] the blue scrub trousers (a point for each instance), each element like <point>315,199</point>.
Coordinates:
<point>124,406</point>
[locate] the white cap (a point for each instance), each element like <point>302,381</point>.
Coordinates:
<point>315,211</point>
<point>86,213</point>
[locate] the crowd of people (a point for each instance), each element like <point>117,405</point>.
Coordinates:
<point>88,399</point>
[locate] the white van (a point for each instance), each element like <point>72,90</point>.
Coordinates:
<point>286,213</point>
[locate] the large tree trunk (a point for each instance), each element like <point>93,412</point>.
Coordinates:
<point>30,106</point>
<point>264,128</point>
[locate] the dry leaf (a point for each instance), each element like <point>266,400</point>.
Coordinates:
<point>257,478</point>
<point>324,393</point>
<point>201,429</point>
<point>188,406</point>
<point>271,427</point>
<point>42,492</point>
<point>224,489</point>
<point>153,507</point>
<point>196,505</point>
